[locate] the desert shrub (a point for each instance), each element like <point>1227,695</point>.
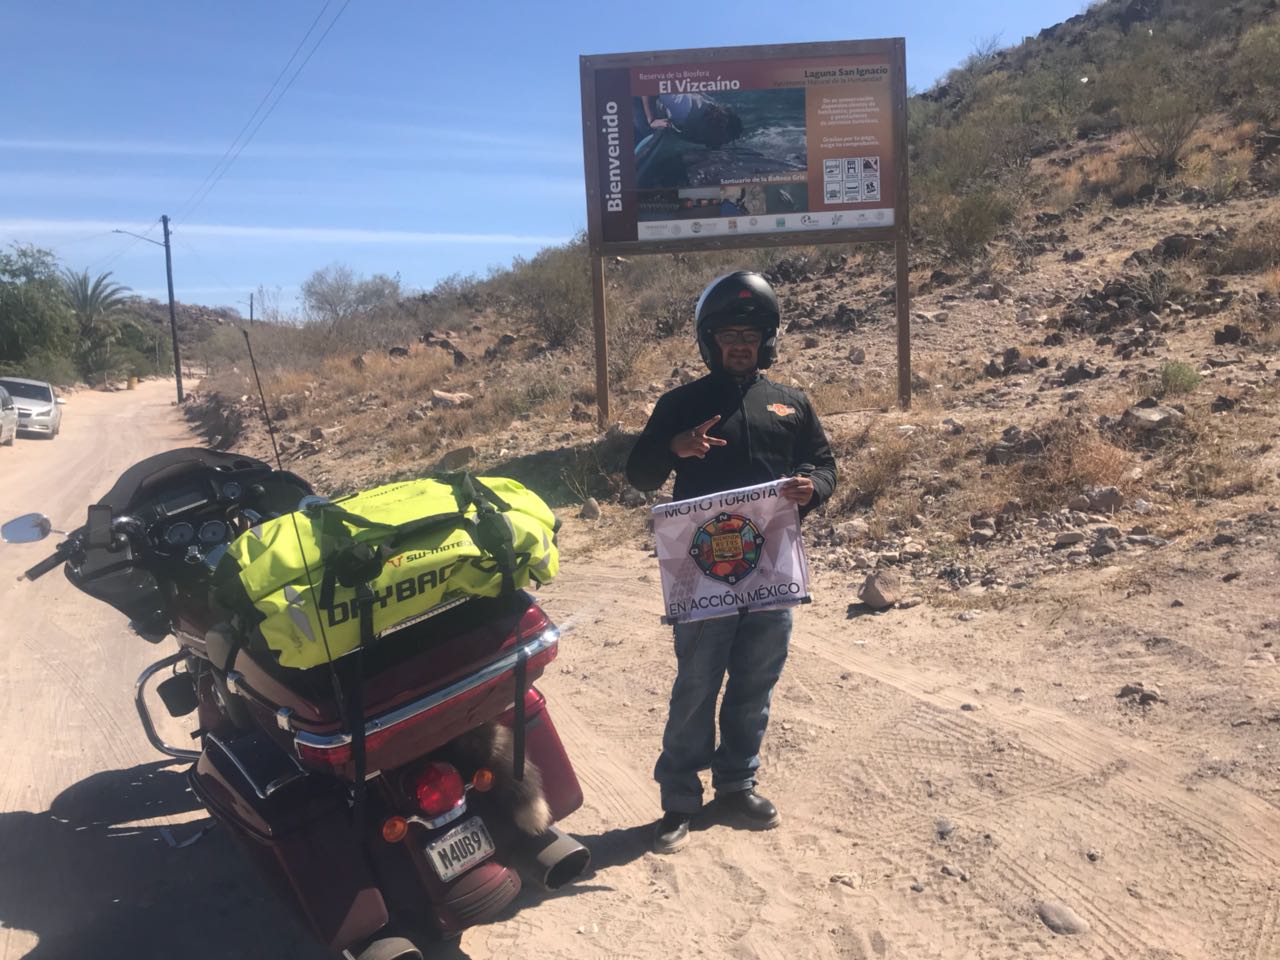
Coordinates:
<point>1257,247</point>
<point>1161,102</point>
<point>555,287</point>
<point>1177,378</point>
<point>965,225</point>
<point>1162,124</point>
<point>1219,174</point>
<point>1271,282</point>
<point>1255,72</point>
<point>51,367</point>
<point>631,335</point>
<point>1075,457</point>
<point>871,467</point>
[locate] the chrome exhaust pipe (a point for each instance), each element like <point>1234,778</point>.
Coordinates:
<point>557,858</point>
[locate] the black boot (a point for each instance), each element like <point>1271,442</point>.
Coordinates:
<point>750,808</point>
<point>671,833</point>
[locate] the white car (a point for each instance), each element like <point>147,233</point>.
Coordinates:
<point>8,418</point>
<point>39,406</point>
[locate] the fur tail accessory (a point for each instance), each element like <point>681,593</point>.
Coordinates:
<point>492,745</point>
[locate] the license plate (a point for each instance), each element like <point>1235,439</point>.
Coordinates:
<point>460,849</point>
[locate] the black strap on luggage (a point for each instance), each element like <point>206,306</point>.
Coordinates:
<point>522,686</point>
<point>355,700</point>
<point>353,564</point>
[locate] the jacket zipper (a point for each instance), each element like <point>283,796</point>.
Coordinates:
<point>746,421</point>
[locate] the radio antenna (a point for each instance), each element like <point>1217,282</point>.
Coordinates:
<point>293,516</point>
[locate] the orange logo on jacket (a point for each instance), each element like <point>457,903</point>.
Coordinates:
<point>781,409</point>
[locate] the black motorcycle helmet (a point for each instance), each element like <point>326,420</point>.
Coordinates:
<point>737,298</point>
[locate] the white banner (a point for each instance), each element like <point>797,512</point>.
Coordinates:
<point>728,551</point>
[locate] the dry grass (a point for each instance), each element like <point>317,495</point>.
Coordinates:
<point>1116,173</point>
<point>877,392</point>
<point>871,465</point>
<point>1271,282</point>
<point>1075,458</point>
<point>1255,248</point>
<point>1216,457</point>
<point>1219,174</point>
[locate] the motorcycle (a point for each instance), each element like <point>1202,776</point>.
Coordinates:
<point>465,775</point>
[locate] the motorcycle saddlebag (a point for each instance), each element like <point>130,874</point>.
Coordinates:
<point>297,829</point>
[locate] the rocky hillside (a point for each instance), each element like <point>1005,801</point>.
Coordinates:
<point>1095,359</point>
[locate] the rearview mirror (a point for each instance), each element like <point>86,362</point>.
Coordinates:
<point>26,529</point>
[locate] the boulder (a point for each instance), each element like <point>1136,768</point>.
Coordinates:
<point>1142,418</point>
<point>1061,919</point>
<point>1177,246</point>
<point>590,509</point>
<point>1105,499</point>
<point>456,459</point>
<point>850,531</point>
<point>441,398</point>
<point>881,590</point>
<point>1231,333</point>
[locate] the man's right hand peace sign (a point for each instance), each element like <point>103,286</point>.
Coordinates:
<point>695,442</point>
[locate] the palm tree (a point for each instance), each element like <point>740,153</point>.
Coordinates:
<point>97,306</point>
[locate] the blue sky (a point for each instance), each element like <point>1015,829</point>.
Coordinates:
<point>421,138</point>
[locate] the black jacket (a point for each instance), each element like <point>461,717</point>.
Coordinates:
<point>771,431</point>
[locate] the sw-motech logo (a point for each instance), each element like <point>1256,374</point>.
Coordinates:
<point>727,548</point>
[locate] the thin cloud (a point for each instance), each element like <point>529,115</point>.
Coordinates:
<point>19,228</point>
<point>276,192</point>
<point>123,147</point>
<point>435,143</point>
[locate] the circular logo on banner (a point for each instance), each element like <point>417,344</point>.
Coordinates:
<point>727,548</point>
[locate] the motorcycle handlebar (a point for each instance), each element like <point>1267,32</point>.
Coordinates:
<point>44,566</point>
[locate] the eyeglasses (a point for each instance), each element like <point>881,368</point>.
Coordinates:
<point>750,338</point>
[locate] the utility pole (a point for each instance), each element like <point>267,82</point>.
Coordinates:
<point>251,309</point>
<point>173,316</point>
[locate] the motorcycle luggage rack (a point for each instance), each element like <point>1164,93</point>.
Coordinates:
<point>264,766</point>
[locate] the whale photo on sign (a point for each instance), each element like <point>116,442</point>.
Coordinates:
<point>727,547</point>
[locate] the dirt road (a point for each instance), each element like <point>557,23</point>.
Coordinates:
<point>85,870</point>
<point>942,773</point>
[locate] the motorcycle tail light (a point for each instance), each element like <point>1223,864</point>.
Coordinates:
<point>437,788</point>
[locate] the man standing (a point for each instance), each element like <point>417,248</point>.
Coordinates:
<point>733,428</point>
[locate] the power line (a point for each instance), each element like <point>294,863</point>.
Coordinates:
<point>270,90</point>
<point>202,262</point>
<point>234,151</point>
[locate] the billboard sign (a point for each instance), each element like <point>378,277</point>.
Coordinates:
<point>745,146</point>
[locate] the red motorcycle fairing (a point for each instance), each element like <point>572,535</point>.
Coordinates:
<point>297,827</point>
<point>299,835</point>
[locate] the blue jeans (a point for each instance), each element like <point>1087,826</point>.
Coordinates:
<point>751,648</point>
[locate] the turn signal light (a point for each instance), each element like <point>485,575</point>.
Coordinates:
<point>395,829</point>
<point>483,780</point>
<point>437,788</point>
